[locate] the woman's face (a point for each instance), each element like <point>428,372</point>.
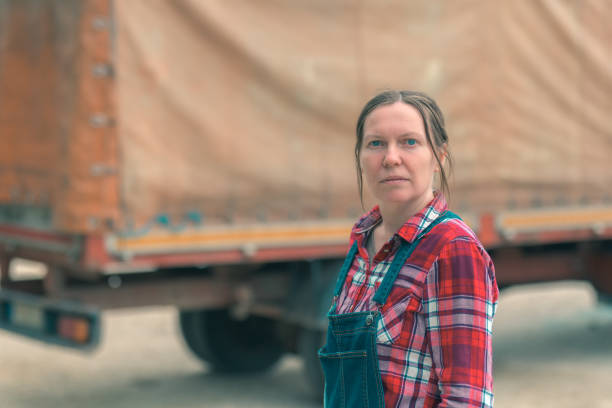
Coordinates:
<point>397,162</point>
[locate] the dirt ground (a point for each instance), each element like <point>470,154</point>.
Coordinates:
<point>552,348</point>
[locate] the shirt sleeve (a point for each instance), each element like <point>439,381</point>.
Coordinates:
<point>459,303</point>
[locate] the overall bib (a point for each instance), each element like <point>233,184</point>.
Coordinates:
<point>349,358</point>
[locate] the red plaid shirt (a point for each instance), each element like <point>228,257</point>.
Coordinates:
<point>434,337</point>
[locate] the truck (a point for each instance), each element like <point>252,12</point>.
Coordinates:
<point>200,155</point>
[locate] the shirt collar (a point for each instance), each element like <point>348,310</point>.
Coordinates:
<point>411,228</point>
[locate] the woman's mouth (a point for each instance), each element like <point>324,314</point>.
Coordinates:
<point>394,180</point>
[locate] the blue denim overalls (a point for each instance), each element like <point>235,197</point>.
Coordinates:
<point>349,358</point>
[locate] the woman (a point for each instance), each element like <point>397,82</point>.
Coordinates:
<point>410,324</point>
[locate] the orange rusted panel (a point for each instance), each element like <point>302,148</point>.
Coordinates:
<point>49,94</point>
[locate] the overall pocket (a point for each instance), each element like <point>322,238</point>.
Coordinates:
<point>346,379</point>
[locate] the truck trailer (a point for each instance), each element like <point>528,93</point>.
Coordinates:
<point>200,155</point>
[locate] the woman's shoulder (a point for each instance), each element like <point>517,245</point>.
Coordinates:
<point>460,250</point>
<point>455,226</point>
<point>454,230</point>
<point>449,237</point>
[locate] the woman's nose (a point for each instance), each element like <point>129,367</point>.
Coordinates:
<point>391,157</point>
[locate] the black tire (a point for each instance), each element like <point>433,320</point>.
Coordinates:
<point>309,343</point>
<point>231,345</point>
<point>190,327</point>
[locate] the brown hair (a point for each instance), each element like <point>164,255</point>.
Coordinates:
<point>433,120</point>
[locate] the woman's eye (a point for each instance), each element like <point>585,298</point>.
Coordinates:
<point>410,142</point>
<point>375,143</point>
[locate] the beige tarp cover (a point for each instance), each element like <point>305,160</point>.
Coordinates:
<point>244,111</point>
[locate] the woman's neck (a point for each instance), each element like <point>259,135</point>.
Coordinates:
<point>394,216</point>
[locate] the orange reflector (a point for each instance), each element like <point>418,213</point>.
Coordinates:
<point>73,328</point>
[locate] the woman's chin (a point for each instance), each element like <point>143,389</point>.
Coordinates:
<point>396,199</point>
<point>402,198</point>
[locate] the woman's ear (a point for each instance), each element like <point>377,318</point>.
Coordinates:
<point>442,153</point>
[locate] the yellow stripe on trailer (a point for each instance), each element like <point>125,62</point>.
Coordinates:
<point>236,237</point>
<point>555,219</point>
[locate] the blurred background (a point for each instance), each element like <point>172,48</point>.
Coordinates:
<point>177,188</point>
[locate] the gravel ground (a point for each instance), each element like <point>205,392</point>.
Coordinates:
<point>553,348</point>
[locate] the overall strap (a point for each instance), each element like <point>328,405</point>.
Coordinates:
<point>402,254</point>
<point>348,261</point>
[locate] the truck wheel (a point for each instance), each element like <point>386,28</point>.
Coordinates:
<point>228,344</point>
<point>309,343</point>
<point>188,322</point>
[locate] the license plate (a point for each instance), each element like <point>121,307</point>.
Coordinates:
<point>29,316</point>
